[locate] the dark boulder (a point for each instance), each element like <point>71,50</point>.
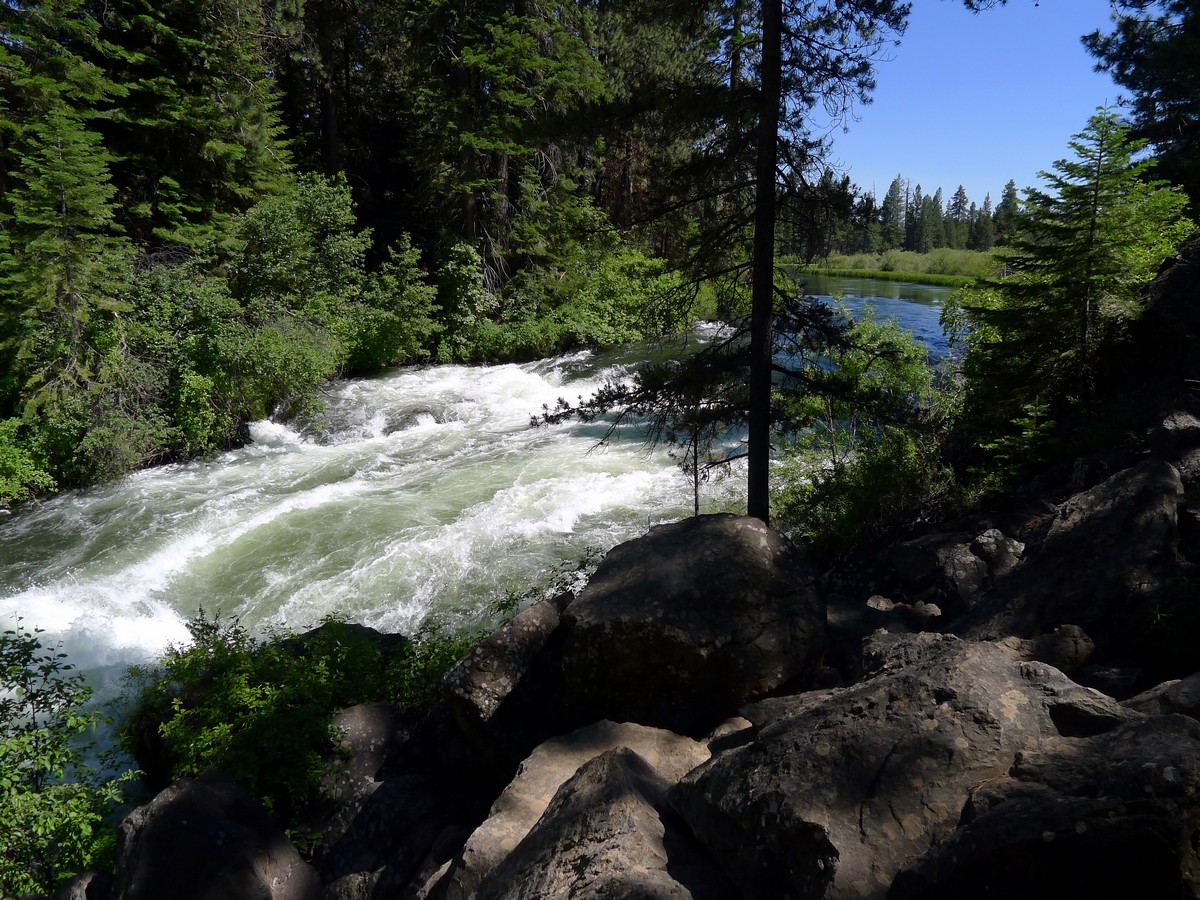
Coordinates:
<point>86,886</point>
<point>679,628</point>
<point>506,695</point>
<point>406,785</point>
<point>1180,696</point>
<point>844,788</point>
<point>1107,558</point>
<point>608,832</point>
<point>207,839</point>
<point>1110,816</point>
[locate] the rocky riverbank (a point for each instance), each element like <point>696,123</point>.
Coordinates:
<point>980,713</point>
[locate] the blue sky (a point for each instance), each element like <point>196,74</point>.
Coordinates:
<point>978,99</point>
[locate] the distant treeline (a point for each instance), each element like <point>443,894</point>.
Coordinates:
<point>851,221</point>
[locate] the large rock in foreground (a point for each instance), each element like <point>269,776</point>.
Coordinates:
<point>207,839</point>
<point>1111,816</point>
<point>1107,559</point>
<point>542,775</point>
<point>679,628</point>
<point>844,788</point>
<point>609,832</point>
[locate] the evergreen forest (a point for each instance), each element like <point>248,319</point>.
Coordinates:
<point>209,208</point>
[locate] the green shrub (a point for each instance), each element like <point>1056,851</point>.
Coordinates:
<point>885,485</point>
<point>943,261</point>
<point>395,317</point>
<point>20,474</point>
<point>52,804</point>
<point>464,304</point>
<point>262,710</point>
<point>863,447</point>
<point>259,711</point>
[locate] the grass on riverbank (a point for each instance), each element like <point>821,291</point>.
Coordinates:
<point>883,275</point>
<point>951,268</point>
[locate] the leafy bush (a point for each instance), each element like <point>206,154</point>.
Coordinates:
<point>602,295</point>
<point>20,474</point>
<point>887,484</point>
<point>52,804</point>
<point>262,710</point>
<point>864,457</point>
<point>464,304</point>
<point>259,711</point>
<point>395,317</point>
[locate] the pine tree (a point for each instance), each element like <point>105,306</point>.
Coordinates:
<point>912,220</point>
<point>931,231</point>
<point>62,260</point>
<point>958,219</point>
<point>1086,246</point>
<point>1153,51</point>
<point>197,138</point>
<point>983,228</point>
<point>1006,215</point>
<point>891,216</point>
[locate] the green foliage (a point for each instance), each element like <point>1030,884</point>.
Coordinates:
<point>946,266</point>
<point>259,711</point>
<point>61,262</point>
<point>861,456</point>
<point>52,804</point>
<point>20,474</point>
<point>262,710</point>
<point>1152,52</point>
<point>197,130</point>
<point>891,481</point>
<point>881,373</point>
<point>601,295</point>
<point>1027,443</point>
<point>395,317</point>
<point>464,304</point>
<point>1087,247</point>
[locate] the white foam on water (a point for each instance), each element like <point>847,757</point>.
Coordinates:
<point>266,433</point>
<point>418,491</point>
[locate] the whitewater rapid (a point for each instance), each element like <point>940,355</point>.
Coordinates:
<point>422,492</point>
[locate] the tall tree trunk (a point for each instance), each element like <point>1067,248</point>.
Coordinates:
<point>763,262</point>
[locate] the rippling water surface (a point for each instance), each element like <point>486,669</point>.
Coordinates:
<point>423,491</point>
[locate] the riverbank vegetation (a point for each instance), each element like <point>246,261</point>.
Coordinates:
<point>208,215</point>
<point>53,801</point>
<point>207,212</point>
<point>951,268</point>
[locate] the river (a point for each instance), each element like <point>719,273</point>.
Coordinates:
<point>424,491</point>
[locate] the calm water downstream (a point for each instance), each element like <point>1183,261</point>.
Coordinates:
<point>424,492</point>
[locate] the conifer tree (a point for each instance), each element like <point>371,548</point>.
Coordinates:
<point>1006,214</point>
<point>958,220</point>
<point>983,228</point>
<point>912,220</point>
<point>1085,247</point>
<point>1153,51</point>
<point>198,137</point>
<point>62,259</point>
<point>891,214</point>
